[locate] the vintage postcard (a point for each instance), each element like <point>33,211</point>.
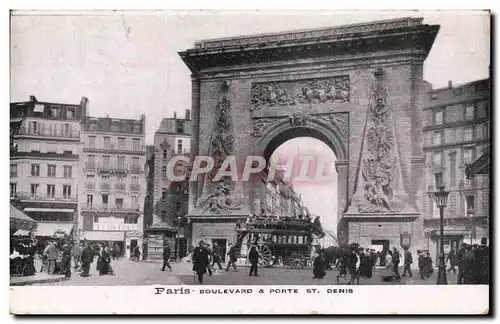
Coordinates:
<point>248,162</point>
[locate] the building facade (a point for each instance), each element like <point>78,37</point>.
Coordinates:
<point>456,131</point>
<point>113,182</point>
<point>169,198</point>
<point>45,153</point>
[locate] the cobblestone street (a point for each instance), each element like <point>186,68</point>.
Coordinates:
<point>148,273</point>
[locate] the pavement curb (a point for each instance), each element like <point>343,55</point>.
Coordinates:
<point>37,281</point>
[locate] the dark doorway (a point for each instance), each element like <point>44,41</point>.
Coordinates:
<point>384,243</point>
<point>385,248</point>
<point>222,246</point>
<point>133,244</point>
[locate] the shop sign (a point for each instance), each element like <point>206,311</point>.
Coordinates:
<point>406,240</point>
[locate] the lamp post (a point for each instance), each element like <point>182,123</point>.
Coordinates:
<point>471,214</point>
<point>177,239</point>
<point>441,198</point>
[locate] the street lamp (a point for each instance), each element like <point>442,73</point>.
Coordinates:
<point>471,214</point>
<point>441,198</point>
<point>177,236</point>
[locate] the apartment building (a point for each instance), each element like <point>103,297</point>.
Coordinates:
<point>169,198</point>
<point>44,159</point>
<point>456,132</point>
<point>113,181</point>
<point>280,198</point>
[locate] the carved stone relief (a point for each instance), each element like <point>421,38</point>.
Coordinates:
<point>339,120</point>
<point>379,156</point>
<point>221,146</point>
<point>331,90</point>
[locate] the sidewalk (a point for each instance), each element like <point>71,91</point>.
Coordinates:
<point>38,278</point>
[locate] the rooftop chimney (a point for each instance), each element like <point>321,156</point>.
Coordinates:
<point>188,114</point>
<point>175,115</point>
<point>33,99</point>
<point>84,103</point>
<point>450,84</point>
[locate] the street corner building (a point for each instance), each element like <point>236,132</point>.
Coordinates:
<point>45,153</point>
<point>358,88</point>
<point>456,144</point>
<point>78,176</point>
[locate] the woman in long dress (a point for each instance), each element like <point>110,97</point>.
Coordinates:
<point>388,272</point>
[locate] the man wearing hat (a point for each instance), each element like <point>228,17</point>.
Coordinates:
<point>232,258</point>
<point>200,261</point>
<point>166,258</point>
<point>253,256</point>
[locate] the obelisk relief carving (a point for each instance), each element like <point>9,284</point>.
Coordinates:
<point>379,184</point>
<point>219,192</point>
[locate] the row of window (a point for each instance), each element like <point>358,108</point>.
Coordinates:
<point>173,189</point>
<point>122,143</point>
<point>56,110</point>
<point>51,170</point>
<point>470,133</point>
<point>179,150</point>
<point>134,202</point>
<point>469,113</point>
<point>106,162</point>
<point>280,239</point>
<point>469,207</point>
<point>50,129</point>
<point>36,192</point>
<point>468,155</point>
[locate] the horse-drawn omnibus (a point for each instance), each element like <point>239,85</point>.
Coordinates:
<point>286,241</point>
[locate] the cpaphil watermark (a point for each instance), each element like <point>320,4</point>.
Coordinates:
<point>306,168</point>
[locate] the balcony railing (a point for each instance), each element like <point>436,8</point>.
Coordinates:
<point>108,207</point>
<point>44,196</point>
<point>120,186</point>
<point>467,184</point>
<point>112,167</point>
<point>135,187</point>
<point>105,186</point>
<point>116,148</point>
<point>49,133</point>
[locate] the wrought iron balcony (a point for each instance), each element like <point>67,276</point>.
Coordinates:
<point>105,186</point>
<point>120,186</point>
<point>126,149</point>
<point>110,167</point>
<point>109,208</point>
<point>45,197</point>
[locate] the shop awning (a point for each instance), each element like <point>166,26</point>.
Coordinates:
<point>104,236</point>
<point>19,220</point>
<point>21,232</point>
<point>50,229</point>
<point>480,166</point>
<point>54,210</point>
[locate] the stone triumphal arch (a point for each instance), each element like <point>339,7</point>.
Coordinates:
<point>358,88</point>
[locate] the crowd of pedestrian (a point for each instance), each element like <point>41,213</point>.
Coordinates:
<point>60,256</point>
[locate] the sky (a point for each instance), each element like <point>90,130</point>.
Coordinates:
<point>126,63</point>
